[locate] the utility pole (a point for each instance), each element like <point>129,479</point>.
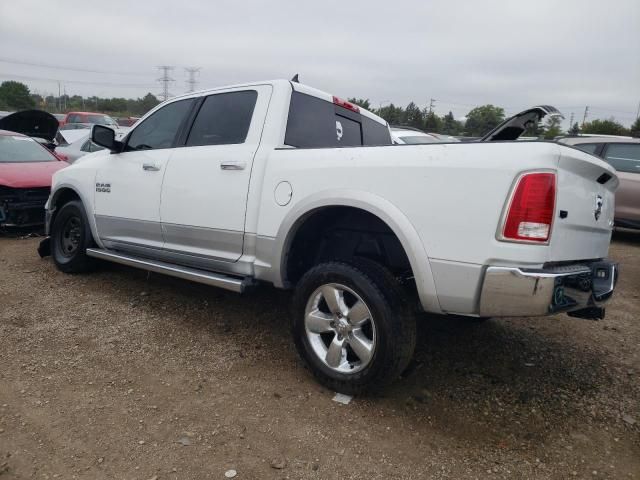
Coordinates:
<point>59,98</point>
<point>571,121</point>
<point>432,104</point>
<point>165,80</point>
<point>586,112</point>
<point>191,81</point>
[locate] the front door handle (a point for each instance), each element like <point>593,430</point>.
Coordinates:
<point>233,165</point>
<point>150,167</point>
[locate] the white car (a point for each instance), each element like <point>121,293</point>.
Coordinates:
<point>412,136</point>
<point>78,143</point>
<point>276,182</point>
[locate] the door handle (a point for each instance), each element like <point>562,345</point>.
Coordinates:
<point>150,167</point>
<point>233,165</point>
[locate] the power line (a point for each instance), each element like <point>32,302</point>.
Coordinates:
<point>50,79</point>
<point>191,81</point>
<point>165,80</point>
<point>60,67</point>
<point>586,112</point>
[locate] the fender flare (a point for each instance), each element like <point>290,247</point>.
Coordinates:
<point>375,205</point>
<point>90,217</point>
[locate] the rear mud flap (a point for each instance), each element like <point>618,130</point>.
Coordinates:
<point>44,249</point>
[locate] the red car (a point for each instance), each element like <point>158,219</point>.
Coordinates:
<point>26,168</point>
<point>89,118</point>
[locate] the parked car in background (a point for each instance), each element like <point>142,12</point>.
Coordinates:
<point>127,121</point>
<point>91,118</point>
<point>60,117</point>
<point>623,154</point>
<point>26,168</point>
<point>280,183</point>
<point>444,138</point>
<point>412,136</point>
<point>76,148</point>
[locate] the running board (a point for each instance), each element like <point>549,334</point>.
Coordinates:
<point>201,276</point>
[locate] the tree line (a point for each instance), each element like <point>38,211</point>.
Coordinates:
<point>482,119</point>
<point>16,96</point>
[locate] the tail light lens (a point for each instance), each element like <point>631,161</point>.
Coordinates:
<point>344,104</point>
<point>530,214</point>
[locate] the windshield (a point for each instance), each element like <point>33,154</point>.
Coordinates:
<point>22,149</point>
<point>101,120</point>
<point>417,140</point>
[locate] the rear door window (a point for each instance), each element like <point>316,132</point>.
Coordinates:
<point>317,123</point>
<point>223,119</point>
<point>624,157</point>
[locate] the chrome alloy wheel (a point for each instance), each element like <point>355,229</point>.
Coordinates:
<point>340,328</point>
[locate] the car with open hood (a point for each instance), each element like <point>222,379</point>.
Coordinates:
<point>38,124</point>
<point>26,168</point>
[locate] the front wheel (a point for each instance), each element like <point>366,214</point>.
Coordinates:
<point>70,238</point>
<point>353,326</point>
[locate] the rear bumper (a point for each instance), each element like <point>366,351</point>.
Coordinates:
<point>520,292</point>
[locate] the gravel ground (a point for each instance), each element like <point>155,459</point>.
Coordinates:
<point>122,374</point>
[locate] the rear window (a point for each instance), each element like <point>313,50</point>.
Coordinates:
<point>15,149</point>
<point>588,147</point>
<point>316,123</point>
<point>624,157</point>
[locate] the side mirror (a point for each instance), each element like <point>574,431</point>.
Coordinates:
<point>105,137</point>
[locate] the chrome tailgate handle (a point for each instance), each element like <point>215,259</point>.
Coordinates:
<point>150,167</point>
<point>233,165</point>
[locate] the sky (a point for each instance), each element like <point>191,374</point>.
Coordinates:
<point>461,53</point>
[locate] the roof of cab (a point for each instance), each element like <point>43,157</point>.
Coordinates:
<point>298,87</point>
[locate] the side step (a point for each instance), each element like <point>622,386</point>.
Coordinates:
<point>234,284</point>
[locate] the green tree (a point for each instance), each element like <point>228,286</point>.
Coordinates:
<point>635,128</point>
<point>412,116</point>
<point>15,96</point>
<point>482,119</point>
<point>364,103</point>
<point>392,114</point>
<point>144,104</point>
<point>552,128</point>
<point>451,126</point>
<point>574,130</point>
<point>432,122</point>
<point>604,127</point>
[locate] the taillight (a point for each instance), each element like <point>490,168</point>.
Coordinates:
<point>530,214</point>
<point>348,105</point>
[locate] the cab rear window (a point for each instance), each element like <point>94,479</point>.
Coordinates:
<point>316,123</point>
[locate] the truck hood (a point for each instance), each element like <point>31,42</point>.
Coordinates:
<point>513,127</point>
<point>33,123</point>
<point>29,174</point>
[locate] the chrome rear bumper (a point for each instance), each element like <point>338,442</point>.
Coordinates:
<point>520,292</point>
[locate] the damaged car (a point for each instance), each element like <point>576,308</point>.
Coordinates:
<point>26,168</point>
<point>38,124</point>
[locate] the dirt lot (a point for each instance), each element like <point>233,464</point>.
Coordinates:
<point>121,374</point>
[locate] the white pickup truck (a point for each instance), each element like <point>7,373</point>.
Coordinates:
<point>279,183</point>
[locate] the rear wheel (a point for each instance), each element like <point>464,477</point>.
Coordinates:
<point>70,238</point>
<point>352,326</point>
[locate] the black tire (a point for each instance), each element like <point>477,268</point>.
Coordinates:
<point>70,238</point>
<point>391,312</point>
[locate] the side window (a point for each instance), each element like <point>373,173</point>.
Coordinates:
<point>86,146</point>
<point>624,157</point>
<point>223,119</point>
<point>160,129</point>
<point>317,123</point>
<point>588,147</point>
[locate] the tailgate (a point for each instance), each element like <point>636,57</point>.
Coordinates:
<point>585,198</point>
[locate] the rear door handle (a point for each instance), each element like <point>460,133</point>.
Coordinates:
<point>150,167</point>
<point>233,165</point>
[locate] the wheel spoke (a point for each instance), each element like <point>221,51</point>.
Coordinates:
<point>358,314</point>
<point>361,345</point>
<point>334,353</point>
<point>318,322</point>
<point>335,299</point>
